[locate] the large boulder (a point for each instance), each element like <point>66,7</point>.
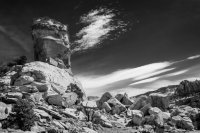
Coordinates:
<point>104,98</point>
<point>102,119</point>
<point>116,106</point>
<point>159,100</point>
<point>139,103</point>
<point>53,80</point>
<point>126,100</point>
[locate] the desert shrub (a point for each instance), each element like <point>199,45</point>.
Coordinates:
<point>18,61</point>
<point>23,116</point>
<point>4,68</point>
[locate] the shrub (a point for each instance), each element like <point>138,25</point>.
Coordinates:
<point>23,116</point>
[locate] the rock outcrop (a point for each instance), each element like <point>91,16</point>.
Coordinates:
<point>51,42</point>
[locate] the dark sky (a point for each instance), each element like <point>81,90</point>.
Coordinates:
<point>157,31</point>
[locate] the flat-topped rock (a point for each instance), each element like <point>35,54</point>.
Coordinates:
<point>51,43</point>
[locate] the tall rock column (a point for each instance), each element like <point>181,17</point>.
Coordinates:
<point>51,43</point>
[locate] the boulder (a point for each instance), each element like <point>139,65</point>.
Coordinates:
<point>183,122</point>
<point>154,111</point>
<point>37,97</point>
<point>159,100</point>
<point>5,81</point>
<point>137,117</point>
<point>139,103</point>
<point>23,80</point>
<point>166,116</point>
<point>41,86</point>
<point>145,109</point>
<point>4,110</point>
<point>28,88</point>
<point>106,106</point>
<point>104,98</point>
<point>102,119</point>
<point>126,100</point>
<point>67,99</point>
<point>116,106</point>
<point>119,97</point>
<point>187,122</point>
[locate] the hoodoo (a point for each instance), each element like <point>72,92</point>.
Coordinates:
<point>51,43</point>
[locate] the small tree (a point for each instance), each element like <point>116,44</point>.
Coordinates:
<point>23,116</point>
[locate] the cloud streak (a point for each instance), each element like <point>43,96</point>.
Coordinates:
<point>91,82</point>
<point>148,77</point>
<point>193,57</point>
<point>100,23</point>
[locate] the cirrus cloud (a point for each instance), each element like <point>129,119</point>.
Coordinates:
<point>100,22</point>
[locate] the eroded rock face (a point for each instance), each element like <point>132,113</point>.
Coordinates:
<point>51,43</point>
<point>187,88</point>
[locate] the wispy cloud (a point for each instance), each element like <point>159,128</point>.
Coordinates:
<point>145,81</point>
<point>90,82</point>
<point>176,73</point>
<point>100,23</point>
<point>193,57</point>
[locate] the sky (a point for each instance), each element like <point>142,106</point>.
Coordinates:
<point>122,45</point>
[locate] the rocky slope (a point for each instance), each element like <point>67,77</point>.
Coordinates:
<point>44,96</point>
